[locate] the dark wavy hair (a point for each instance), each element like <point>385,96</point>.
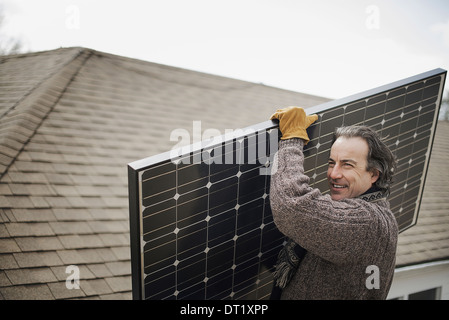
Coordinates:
<point>380,157</point>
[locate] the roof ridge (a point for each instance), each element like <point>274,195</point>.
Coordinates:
<point>244,84</point>
<point>25,55</point>
<point>21,121</point>
<point>38,53</point>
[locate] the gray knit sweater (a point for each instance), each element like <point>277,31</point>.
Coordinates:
<point>344,239</point>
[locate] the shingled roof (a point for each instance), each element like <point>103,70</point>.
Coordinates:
<point>70,121</point>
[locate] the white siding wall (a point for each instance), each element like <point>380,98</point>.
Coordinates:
<point>412,279</point>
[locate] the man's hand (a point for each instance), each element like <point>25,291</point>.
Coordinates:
<point>293,122</point>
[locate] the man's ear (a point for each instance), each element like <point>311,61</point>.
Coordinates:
<point>374,175</point>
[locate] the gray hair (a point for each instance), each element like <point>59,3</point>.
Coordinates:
<point>379,158</point>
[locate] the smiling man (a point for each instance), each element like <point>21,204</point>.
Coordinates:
<point>337,240</point>
<point>348,173</point>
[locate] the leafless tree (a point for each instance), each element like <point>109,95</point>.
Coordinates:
<point>8,45</point>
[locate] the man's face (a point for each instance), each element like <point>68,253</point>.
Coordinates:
<point>347,174</point>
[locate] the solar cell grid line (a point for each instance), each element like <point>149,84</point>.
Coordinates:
<point>200,218</point>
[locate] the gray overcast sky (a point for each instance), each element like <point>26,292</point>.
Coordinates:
<point>331,48</point>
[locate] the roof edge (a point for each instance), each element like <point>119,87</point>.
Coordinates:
<point>244,83</point>
<point>422,263</point>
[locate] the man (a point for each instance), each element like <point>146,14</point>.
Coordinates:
<point>350,236</point>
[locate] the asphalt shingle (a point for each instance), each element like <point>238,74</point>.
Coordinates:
<point>28,292</point>
<point>8,245</point>
<point>30,276</point>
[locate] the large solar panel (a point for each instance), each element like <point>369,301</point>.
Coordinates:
<point>200,218</point>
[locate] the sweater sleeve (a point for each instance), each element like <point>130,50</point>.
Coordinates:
<point>337,231</point>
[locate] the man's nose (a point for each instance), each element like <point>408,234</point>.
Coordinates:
<point>335,172</point>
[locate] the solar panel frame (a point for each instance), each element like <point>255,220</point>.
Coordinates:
<point>406,110</point>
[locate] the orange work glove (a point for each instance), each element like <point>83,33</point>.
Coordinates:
<point>293,122</point>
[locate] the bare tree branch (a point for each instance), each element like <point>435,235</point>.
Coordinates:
<point>8,45</point>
